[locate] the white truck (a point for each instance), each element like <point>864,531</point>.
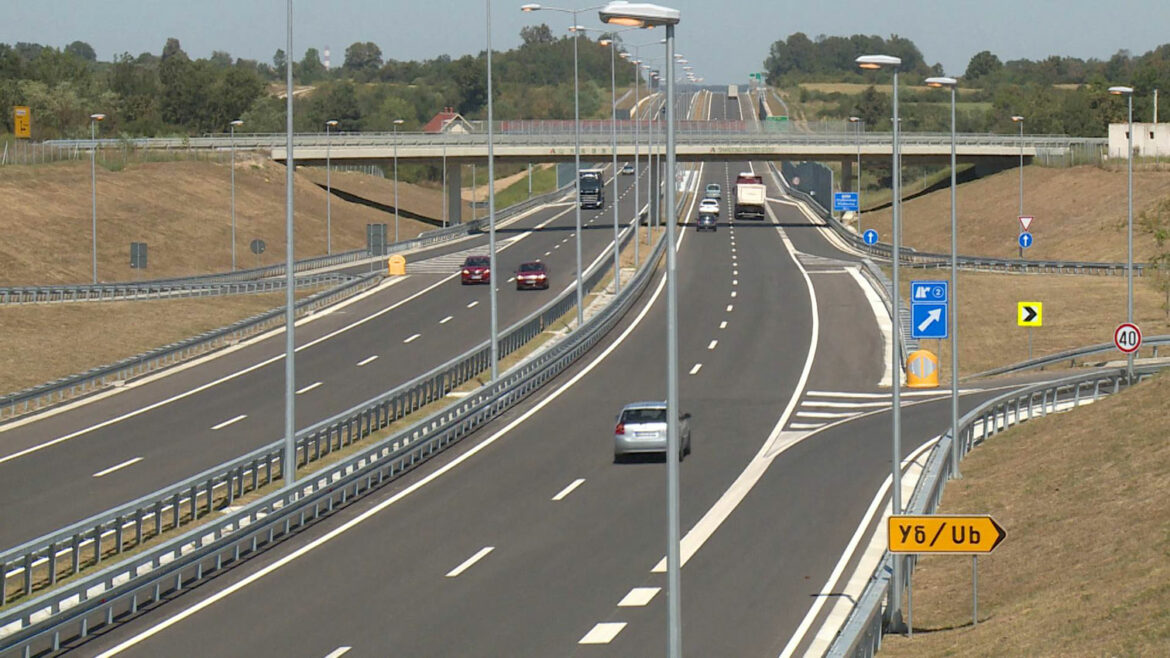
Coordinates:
<point>732,92</point>
<point>750,196</point>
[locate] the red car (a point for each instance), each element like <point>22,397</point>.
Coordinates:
<point>477,269</point>
<point>532,275</point>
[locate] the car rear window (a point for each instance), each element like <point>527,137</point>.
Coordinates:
<point>531,267</point>
<point>478,261</point>
<point>644,416</point>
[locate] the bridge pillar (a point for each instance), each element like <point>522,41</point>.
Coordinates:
<point>454,176</point>
<point>847,182</point>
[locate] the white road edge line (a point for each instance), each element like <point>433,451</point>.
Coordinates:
<point>469,562</point>
<point>229,422</point>
<point>309,388</point>
<point>338,652</point>
<point>371,512</point>
<point>368,359</point>
<point>111,469</point>
<point>569,489</point>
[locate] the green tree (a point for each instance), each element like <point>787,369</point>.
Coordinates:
<point>279,61</point>
<point>982,64</point>
<point>82,50</point>
<point>363,58</point>
<point>536,34</point>
<point>310,69</point>
<point>873,108</point>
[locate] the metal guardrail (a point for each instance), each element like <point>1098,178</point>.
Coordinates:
<point>225,540</point>
<point>1069,355</point>
<point>862,633</point>
<point>928,260</point>
<point>39,397</point>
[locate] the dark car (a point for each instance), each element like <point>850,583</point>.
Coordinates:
<point>706,222</point>
<point>476,269</point>
<point>532,275</point>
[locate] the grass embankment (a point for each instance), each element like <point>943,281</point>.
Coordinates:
<point>1078,311</point>
<point>1085,568</point>
<point>544,179</point>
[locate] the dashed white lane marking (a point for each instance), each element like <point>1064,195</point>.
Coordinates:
<point>639,597</point>
<point>603,633</point>
<point>569,489</point>
<point>844,405</point>
<point>733,293</point>
<point>446,320</point>
<point>309,388</point>
<point>368,359</point>
<point>712,344</point>
<point>723,325</point>
<point>229,422</point>
<point>734,272</point>
<point>128,462</point>
<point>511,279</point>
<point>730,307</point>
<point>469,562</point>
<point>547,253</point>
<point>733,250</point>
<point>695,370</point>
<point>473,304</point>
<point>338,652</point>
<point>412,338</point>
<point>735,282</point>
<point>556,246</point>
<point>824,414</point>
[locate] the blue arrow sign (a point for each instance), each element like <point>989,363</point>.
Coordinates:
<point>870,236</point>
<point>1025,240</point>
<point>845,202</point>
<point>928,320</point>
<point>929,291</point>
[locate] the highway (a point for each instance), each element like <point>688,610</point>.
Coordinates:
<point>529,540</point>
<point>62,466</point>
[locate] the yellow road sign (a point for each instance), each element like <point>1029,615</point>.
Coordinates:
<point>963,534</point>
<point>1030,314</point>
<point>22,122</point>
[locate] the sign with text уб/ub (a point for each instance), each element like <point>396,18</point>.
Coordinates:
<point>962,534</point>
<point>845,202</point>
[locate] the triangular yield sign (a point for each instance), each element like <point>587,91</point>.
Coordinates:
<point>1025,221</point>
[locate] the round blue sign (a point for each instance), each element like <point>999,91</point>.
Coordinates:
<point>870,236</point>
<point>1025,240</point>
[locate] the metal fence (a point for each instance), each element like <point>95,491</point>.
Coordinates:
<point>223,540</point>
<point>159,290</point>
<point>862,633</point>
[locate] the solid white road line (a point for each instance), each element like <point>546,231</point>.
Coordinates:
<point>473,304</point>
<point>229,422</point>
<point>412,338</point>
<point>603,633</point>
<point>695,370</point>
<point>805,426</point>
<point>712,344</point>
<point>111,469</point>
<point>309,388</point>
<point>446,319</point>
<point>844,405</point>
<point>368,359</point>
<point>338,652</point>
<point>881,317</point>
<point>723,325</point>
<point>639,597</point>
<point>569,489</point>
<point>469,562</point>
<point>825,414</point>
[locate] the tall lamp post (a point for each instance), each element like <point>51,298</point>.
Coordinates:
<point>232,126</point>
<point>857,123</point>
<point>495,329</point>
<point>611,42</point>
<point>397,122</point>
<point>1128,93</point>
<point>288,462</point>
<point>575,29</point>
<point>93,121</point>
<point>878,62</point>
<point>952,84</point>
<point>637,174</point>
<point>1017,118</point>
<point>328,188</point>
<point>649,15</point>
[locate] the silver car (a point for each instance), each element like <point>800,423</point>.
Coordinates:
<point>641,428</point>
<point>713,191</point>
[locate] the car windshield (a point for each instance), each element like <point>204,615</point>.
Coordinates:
<point>477,261</point>
<point>712,188</point>
<point>650,415</point>
<point>532,267</point>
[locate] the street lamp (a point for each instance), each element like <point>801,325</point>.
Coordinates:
<point>650,15</point>
<point>637,174</point>
<point>575,29</point>
<point>328,190</point>
<point>495,329</point>
<point>1128,93</point>
<point>397,122</point>
<point>874,62</point>
<point>1016,118</point>
<point>288,463</point>
<point>857,122</point>
<point>232,126</point>
<point>93,119</point>
<point>952,84</point>
<point>611,42</point>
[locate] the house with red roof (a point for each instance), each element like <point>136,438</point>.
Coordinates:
<point>447,121</point>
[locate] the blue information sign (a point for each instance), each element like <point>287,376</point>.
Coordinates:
<point>845,202</point>
<point>929,291</point>
<point>928,320</point>
<point>1025,240</point>
<point>870,236</point>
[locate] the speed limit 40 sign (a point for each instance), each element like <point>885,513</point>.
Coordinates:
<point>1127,337</point>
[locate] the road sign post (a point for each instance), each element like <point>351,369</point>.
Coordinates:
<point>1127,337</point>
<point>1030,314</point>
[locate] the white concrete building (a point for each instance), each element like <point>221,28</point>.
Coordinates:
<point>1149,139</point>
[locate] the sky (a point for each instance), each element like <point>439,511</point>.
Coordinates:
<point>724,40</point>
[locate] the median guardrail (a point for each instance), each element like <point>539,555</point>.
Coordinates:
<point>1071,356</point>
<point>862,632</point>
<point>223,540</point>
